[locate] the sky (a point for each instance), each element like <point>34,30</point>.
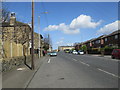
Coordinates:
<point>69,22</point>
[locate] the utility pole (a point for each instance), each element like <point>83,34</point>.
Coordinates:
<point>32,37</point>
<point>39,36</point>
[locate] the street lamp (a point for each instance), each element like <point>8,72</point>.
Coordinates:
<point>39,33</point>
<point>39,36</point>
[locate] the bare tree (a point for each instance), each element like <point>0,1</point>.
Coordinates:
<point>47,41</point>
<point>5,13</point>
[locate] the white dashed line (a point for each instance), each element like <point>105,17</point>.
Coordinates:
<point>74,59</point>
<point>85,63</point>
<point>49,61</point>
<point>108,73</point>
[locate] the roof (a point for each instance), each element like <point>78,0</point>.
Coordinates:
<point>89,40</point>
<point>113,33</point>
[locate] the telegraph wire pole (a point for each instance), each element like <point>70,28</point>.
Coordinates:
<point>32,38</point>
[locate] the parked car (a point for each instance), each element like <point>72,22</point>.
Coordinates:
<point>71,51</point>
<point>81,52</point>
<point>53,53</point>
<point>67,51</point>
<point>116,54</point>
<point>48,53</point>
<point>75,52</point>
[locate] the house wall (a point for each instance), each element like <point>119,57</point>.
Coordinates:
<point>112,41</point>
<point>63,48</point>
<point>11,48</point>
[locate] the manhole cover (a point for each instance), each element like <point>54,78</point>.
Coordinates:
<point>47,75</point>
<point>61,78</point>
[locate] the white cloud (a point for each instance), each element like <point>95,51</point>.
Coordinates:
<point>82,21</point>
<point>60,41</point>
<point>62,38</point>
<point>109,28</point>
<point>70,44</point>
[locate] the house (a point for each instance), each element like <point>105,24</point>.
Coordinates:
<point>16,38</point>
<point>112,39</point>
<point>62,48</point>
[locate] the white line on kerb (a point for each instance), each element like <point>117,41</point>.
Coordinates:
<point>49,61</point>
<point>108,73</point>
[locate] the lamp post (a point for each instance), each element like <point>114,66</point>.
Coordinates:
<point>40,47</point>
<point>32,38</point>
<point>39,37</point>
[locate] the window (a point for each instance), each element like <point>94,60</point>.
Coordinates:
<point>106,39</point>
<point>98,41</point>
<point>116,36</point>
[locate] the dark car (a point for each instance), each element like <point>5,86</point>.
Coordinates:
<point>116,54</point>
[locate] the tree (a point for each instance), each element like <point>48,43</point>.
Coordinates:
<point>84,48</point>
<point>47,42</point>
<point>5,13</point>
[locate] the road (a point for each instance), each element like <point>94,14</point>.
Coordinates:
<point>76,71</point>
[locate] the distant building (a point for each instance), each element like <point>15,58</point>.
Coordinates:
<point>62,48</point>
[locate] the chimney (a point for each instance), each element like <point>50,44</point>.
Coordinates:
<point>12,19</point>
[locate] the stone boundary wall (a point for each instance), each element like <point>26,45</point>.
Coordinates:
<point>10,63</point>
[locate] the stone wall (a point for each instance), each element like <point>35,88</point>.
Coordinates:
<point>8,64</point>
<point>0,43</point>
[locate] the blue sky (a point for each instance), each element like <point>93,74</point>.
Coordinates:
<point>70,21</point>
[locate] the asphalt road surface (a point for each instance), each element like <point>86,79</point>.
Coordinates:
<point>76,71</point>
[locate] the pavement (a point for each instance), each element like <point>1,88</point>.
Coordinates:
<point>20,76</point>
<point>66,71</point>
<point>99,55</point>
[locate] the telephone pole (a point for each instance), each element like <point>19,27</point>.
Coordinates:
<point>32,37</point>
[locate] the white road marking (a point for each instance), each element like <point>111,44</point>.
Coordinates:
<point>53,57</point>
<point>74,59</point>
<point>49,61</point>
<point>108,73</point>
<point>20,69</point>
<point>85,63</point>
